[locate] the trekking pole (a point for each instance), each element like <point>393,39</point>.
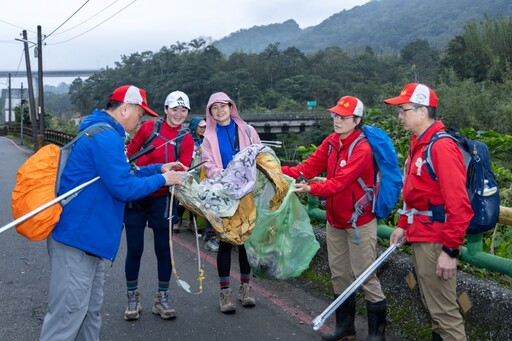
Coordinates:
<point>320,319</point>
<point>66,195</point>
<point>48,204</point>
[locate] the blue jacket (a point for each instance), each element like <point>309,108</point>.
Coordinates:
<point>93,221</point>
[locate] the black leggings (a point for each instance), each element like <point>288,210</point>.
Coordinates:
<point>224,259</point>
<point>135,239</point>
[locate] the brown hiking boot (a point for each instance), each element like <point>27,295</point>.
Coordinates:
<point>226,304</point>
<point>245,296</point>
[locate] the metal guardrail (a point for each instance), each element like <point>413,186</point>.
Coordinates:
<point>50,136</point>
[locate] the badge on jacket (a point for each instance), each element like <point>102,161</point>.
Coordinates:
<point>343,163</point>
<point>419,163</point>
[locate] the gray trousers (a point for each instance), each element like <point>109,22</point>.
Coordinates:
<point>75,295</point>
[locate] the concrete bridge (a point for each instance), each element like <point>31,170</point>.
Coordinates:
<point>268,125</point>
<point>51,73</point>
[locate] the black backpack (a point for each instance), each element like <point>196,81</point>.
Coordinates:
<point>481,183</point>
<point>157,127</point>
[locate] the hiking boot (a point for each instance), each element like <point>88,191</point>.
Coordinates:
<point>134,306</point>
<point>212,245</point>
<point>227,306</point>
<point>162,306</point>
<point>245,296</point>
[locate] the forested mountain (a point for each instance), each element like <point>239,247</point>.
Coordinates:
<point>379,24</point>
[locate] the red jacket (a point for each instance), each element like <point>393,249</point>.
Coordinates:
<point>420,191</point>
<point>341,188</point>
<point>163,154</point>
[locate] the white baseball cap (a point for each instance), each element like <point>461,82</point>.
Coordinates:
<point>177,98</point>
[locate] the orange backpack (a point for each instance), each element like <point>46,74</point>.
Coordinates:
<point>35,186</point>
<point>38,181</point>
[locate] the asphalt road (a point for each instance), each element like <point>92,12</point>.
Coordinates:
<point>284,310</point>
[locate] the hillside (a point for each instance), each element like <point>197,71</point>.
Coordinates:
<point>380,24</point>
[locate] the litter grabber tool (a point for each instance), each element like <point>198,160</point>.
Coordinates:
<point>320,319</point>
<point>195,166</point>
<point>181,283</point>
<point>66,197</point>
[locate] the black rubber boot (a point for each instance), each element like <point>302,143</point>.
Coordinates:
<point>345,315</point>
<point>376,320</point>
<point>436,337</point>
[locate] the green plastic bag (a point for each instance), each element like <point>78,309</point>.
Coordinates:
<point>282,243</point>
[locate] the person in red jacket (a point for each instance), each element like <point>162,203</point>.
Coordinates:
<point>350,250</point>
<point>435,239</point>
<point>153,210</point>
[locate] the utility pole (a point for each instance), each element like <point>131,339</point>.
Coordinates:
<point>21,116</point>
<point>10,101</point>
<point>40,136</point>
<point>32,101</point>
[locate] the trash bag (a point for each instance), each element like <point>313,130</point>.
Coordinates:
<point>283,243</point>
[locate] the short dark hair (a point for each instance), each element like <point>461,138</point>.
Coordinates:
<point>360,125</point>
<point>113,105</point>
<point>431,112</point>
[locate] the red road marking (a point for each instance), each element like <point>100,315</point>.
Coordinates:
<point>301,315</point>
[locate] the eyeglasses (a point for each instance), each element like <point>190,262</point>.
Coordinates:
<point>403,111</point>
<point>343,118</point>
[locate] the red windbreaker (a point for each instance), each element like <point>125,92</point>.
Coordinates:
<point>420,191</point>
<point>341,188</point>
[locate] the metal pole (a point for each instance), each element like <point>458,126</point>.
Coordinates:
<point>10,102</point>
<point>320,319</point>
<point>69,193</point>
<point>21,115</point>
<point>40,82</point>
<point>32,100</point>
<point>50,203</point>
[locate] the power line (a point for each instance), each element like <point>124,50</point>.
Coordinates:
<point>8,23</point>
<point>101,23</point>
<point>86,20</point>
<point>72,15</point>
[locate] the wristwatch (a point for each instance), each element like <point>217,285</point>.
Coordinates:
<point>452,252</point>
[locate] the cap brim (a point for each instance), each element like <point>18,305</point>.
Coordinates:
<point>149,111</point>
<point>396,100</point>
<point>340,111</point>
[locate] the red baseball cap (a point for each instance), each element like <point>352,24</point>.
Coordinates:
<point>415,93</point>
<point>132,95</point>
<point>348,106</point>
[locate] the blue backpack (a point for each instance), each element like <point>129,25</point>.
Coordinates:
<point>388,177</point>
<point>480,180</point>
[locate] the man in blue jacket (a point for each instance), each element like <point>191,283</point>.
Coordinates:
<point>90,226</point>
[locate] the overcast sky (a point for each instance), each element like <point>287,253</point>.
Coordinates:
<point>85,42</point>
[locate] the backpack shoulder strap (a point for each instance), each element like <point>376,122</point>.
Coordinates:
<point>177,142</point>
<point>157,127</point>
<point>354,143</point>
<point>65,151</point>
<point>428,152</point>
